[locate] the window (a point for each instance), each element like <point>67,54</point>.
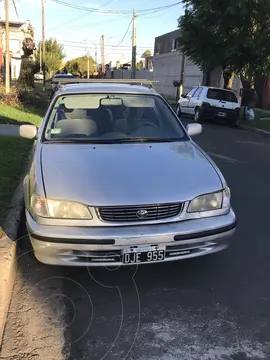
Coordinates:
<point>107,118</point>
<point>15,46</point>
<point>175,44</point>
<point>222,95</point>
<point>196,92</point>
<point>192,92</point>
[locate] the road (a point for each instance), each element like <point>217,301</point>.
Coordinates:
<point>212,308</point>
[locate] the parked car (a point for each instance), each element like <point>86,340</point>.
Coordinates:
<point>54,85</point>
<point>116,179</point>
<point>38,76</point>
<point>208,102</point>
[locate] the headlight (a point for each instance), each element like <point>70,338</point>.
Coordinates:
<point>210,202</point>
<point>59,209</point>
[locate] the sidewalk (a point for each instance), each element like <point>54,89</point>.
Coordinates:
<point>12,130</point>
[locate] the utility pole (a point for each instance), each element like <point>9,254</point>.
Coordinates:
<point>102,55</point>
<point>88,65</point>
<point>43,45</point>
<point>96,57</point>
<point>7,49</point>
<point>40,57</point>
<point>134,45</point>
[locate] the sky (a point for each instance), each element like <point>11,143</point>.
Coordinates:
<point>80,30</point>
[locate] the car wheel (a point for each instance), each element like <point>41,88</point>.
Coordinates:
<point>178,111</point>
<point>197,115</point>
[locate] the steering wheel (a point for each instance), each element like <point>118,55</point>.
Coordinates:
<point>146,123</point>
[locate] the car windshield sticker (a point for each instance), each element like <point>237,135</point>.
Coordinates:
<point>56,131</point>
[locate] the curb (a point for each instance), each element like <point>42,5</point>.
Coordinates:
<point>261,132</point>
<point>8,249</point>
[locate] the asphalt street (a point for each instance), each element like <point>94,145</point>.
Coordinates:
<point>212,308</point>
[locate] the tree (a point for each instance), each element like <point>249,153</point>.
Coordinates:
<point>146,54</point>
<point>54,54</point>
<point>28,65</point>
<point>231,34</point>
<point>79,66</point>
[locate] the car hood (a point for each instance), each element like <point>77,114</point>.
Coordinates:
<point>126,174</point>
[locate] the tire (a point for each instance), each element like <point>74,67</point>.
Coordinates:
<point>198,116</point>
<point>178,111</point>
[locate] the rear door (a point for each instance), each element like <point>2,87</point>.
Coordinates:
<point>221,98</point>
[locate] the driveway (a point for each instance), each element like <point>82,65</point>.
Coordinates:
<point>212,308</point>
<point>7,129</point>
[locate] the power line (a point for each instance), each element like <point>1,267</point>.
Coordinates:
<point>84,43</point>
<point>124,35</point>
<point>78,17</point>
<point>79,7</point>
<point>93,24</point>
<point>16,11</point>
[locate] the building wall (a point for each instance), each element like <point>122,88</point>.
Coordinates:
<point>193,76</point>
<point>166,42</point>
<point>167,68</point>
<point>126,74</point>
<point>16,37</point>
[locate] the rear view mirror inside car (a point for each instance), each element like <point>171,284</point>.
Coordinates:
<point>111,101</point>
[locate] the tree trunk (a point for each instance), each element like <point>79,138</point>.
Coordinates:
<point>206,78</point>
<point>249,95</point>
<point>228,79</point>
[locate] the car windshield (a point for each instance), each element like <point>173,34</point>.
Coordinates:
<point>222,95</point>
<point>107,118</point>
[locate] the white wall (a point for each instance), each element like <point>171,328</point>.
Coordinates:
<point>15,67</point>
<point>167,68</point>
<point>193,76</point>
<point>126,74</point>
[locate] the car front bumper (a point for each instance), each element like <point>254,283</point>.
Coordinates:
<point>103,246</point>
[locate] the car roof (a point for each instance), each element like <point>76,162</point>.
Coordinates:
<point>106,87</point>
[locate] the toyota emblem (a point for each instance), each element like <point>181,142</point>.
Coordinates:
<point>142,214</point>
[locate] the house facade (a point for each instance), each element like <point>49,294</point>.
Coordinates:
<point>168,61</point>
<point>16,37</point>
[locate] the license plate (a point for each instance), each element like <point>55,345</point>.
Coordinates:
<point>143,255</point>
<point>222,114</point>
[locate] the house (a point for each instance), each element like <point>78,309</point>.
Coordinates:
<point>168,62</point>
<point>169,65</point>
<point>16,37</point>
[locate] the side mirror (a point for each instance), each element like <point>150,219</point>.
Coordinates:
<point>183,95</point>
<point>194,129</point>
<point>28,131</point>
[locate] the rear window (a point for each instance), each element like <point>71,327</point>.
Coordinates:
<point>223,95</point>
<point>63,76</point>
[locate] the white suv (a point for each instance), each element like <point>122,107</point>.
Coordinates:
<point>209,102</point>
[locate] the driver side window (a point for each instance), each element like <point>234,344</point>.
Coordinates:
<point>192,92</point>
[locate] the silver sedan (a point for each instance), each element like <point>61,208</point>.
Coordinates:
<point>117,180</point>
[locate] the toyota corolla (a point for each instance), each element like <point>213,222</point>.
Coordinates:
<point>116,179</point>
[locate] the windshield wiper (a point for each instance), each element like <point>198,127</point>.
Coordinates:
<point>66,141</point>
<point>112,141</point>
<point>143,140</point>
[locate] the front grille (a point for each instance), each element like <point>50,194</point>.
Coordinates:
<point>139,213</point>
